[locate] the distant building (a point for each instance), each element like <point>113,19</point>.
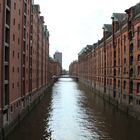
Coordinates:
<point>58,57</point>
<point>54,68</point>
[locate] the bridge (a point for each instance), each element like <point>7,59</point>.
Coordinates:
<point>65,76</point>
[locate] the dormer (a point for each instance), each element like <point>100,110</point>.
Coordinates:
<point>117,19</point>
<point>37,7</point>
<point>107,30</point>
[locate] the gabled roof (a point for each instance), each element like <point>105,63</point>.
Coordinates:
<point>108,27</point>
<point>137,9</point>
<point>86,50</point>
<point>37,7</point>
<point>119,16</point>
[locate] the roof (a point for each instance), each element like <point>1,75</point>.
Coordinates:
<point>119,16</point>
<point>108,27</point>
<point>86,50</point>
<point>137,9</point>
<point>37,7</point>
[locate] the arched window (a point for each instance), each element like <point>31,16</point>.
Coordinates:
<point>138,57</point>
<point>124,43</point>
<point>138,32</point>
<point>131,72</point>
<point>124,84</point>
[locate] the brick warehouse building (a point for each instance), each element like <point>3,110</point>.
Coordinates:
<point>112,65</point>
<point>24,59</point>
<point>55,68</point>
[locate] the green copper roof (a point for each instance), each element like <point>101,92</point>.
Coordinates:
<point>137,9</point>
<point>119,16</point>
<point>86,50</point>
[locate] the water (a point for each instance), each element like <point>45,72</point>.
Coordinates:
<point>71,112</point>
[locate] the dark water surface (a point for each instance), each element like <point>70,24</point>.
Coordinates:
<point>71,112</point>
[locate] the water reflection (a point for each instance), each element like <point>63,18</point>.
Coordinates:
<point>71,112</point>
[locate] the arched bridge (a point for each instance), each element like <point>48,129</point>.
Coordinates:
<point>65,76</point>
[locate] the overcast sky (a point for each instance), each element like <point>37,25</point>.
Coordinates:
<point>73,24</point>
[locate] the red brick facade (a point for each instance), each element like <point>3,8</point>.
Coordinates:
<point>112,65</point>
<point>24,53</point>
<point>55,69</point>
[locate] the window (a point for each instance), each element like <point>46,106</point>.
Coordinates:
<point>138,70</point>
<point>138,102</point>
<point>124,70</point>
<point>131,87</point>
<point>118,83</point>
<point>18,55</point>
<point>131,48</point>
<point>17,104</point>
<point>119,71</point>
<point>13,85</point>
<point>138,57</point>
<point>131,60</point>
<point>17,84</point>
<point>124,43</point>
<point>124,84</point>
<point>18,26</point>
<point>14,21</point>
<point>114,83</point>
<point>138,43</point>
<point>13,37</point>
<point>13,53</point>
<point>13,69</point>
<point>18,69</point>
<point>138,30</point>
<point>18,41</point>
<point>124,60</point>
<point>138,87</point>
<point>14,5</point>
<point>11,108</point>
<point>0,8</point>
<point>131,72</point>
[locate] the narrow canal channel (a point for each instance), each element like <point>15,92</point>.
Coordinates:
<point>71,112</point>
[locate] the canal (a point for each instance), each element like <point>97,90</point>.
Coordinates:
<point>71,112</point>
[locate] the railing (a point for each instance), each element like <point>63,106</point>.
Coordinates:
<point>64,76</point>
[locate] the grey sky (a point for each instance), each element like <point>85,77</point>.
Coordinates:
<point>75,23</point>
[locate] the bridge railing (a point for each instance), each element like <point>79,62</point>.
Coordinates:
<point>64,76</point>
